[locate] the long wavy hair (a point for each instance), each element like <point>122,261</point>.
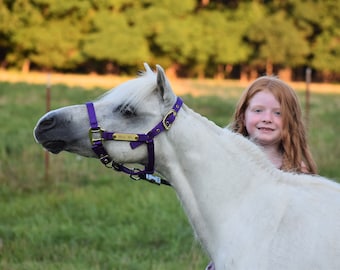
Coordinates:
<point>295,151</point>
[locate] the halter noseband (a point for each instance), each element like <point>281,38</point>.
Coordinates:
<point>98,135</point>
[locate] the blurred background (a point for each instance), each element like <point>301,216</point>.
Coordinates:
<point>237,39</point>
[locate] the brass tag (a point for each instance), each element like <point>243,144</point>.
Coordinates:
<point>125,137</point>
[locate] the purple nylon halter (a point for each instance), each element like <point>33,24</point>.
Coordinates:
<point>98,135</point>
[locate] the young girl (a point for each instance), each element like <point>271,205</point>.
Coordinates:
<point>269,114</point>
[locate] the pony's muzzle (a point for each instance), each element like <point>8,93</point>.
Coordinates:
<point>43,134</point>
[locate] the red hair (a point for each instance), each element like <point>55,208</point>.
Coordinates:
<point>296,154</point>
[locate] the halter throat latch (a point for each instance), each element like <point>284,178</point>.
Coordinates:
<point>97,135</point>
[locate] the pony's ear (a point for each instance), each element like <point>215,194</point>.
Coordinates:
<point>164,87</point>
<point>147,68</point>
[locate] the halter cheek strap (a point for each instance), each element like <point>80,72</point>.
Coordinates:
<point>98,135</point>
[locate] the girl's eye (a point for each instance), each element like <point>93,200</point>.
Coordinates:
<point>277,113</point>
<point>257,110</point>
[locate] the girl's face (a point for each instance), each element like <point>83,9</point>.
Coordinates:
<point>263,119</point>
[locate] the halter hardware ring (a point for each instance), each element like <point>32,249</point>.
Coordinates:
<point>135,174</point>
<point>105,159</point>
<point>95,135</point>
<point>135,177</point>
<point>166,123</point>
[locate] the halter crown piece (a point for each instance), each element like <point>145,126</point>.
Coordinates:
<point>98,135</point>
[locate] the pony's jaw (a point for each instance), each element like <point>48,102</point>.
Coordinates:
<point>54,146</point>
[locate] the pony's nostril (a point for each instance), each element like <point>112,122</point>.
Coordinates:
<point>47,123</point>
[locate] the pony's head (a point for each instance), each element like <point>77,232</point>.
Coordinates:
<point>134,107</point>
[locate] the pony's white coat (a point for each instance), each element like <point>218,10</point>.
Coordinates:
<point>247,214</point>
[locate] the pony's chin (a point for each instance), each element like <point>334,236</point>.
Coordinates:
<point>54,147</point>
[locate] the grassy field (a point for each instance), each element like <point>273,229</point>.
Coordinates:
<point>84,216</point>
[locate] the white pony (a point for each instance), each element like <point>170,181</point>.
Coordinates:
<point>247,214</point>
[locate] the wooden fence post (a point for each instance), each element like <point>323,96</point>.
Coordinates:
<point>307,101</point>
<point>48,108</point>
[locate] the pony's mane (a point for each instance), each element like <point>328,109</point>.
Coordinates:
<point>142,86</point>
<point>134,92</point>
<point>253,151</point>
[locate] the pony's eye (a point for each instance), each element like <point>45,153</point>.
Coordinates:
<point>126,110</point>
<point>128,113</point>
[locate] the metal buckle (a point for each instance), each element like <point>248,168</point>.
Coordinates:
<point>105,159</point>
<point>165,122</point>
<point>116,166</point>
<point>135,176</point>
<point>95,135</point>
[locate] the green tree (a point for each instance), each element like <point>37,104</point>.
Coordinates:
<point>276,41</point>
<point>24,16</point>
<point>326,44</point>
<point>226,30</point>
<point>47,33</point>
<point>197,37</point>
<point>192,38</point>
<point>113,38</point>
<point>172,32</point>
<point>6,30</point>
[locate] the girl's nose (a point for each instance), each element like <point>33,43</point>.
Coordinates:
<point>267,117</point>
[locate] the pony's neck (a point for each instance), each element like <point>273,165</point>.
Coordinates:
<point>210,169</point>
<point>203,149</point>
<point>274,154</point>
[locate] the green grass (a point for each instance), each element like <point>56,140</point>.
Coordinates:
<point>84,216</point>
<point>103,224</point>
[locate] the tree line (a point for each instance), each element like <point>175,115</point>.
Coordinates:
<point>196,38</point>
